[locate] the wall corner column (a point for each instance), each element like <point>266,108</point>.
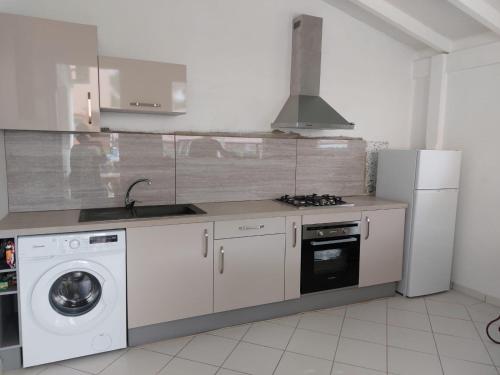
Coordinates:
<point>436,109</point>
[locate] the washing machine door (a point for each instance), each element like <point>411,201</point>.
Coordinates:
<point>73,297</point>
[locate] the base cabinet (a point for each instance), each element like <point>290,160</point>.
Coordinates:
<point>169,273</point>
<point>248,271</point>
<point>382,240</point>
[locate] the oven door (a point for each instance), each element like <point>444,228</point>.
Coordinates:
<point>329,263</point>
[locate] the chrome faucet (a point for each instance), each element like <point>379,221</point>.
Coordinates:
<point>129,204</point>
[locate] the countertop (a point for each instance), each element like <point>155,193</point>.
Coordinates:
<point>64,221</point>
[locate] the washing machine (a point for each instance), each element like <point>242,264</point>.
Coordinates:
<point>72,293</point>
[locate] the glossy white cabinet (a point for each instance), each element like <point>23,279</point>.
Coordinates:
<point>381,254</point>
<point>128,85</point>
<point>293,256</point>
<point>48,75</point>
<point>248,271</point>
<point>169,273</point>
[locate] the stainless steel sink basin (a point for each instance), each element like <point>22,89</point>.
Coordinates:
<point>138,212</point>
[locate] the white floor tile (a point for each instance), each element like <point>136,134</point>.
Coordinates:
<point>234,332</point>
<point>343,369</point>
<point>61,370</point>
<point>179,366</point>
<point>483,312</point>
<point>375,311</point>
<point>253,359</point>
<point>365,330</point>
<point>481,328</point>
<point>446,309</point>
<point>290,320</point>
<point>362,354</point>
<point>170,347</point>
<point>408,362</point>
<point>408,319</point>
<point>27,371</point>
<point>297,364</point>
<point>461,348</point>
<point>454,327</point>
<point>494,350</point>
<point>225,371</point>
<point>325,323</point>
<point>269,334</point>
<point>453,296</point>
<point>138,361</point>
<point>411,339</point>
<point>340,311</point>
<point>93,364</point>
<point>453,366</point>
<point>314,344</point>
<point>208,349</point>
<point>408,304</point>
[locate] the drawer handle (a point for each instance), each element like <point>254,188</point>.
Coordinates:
<point>251,227</point>
<point>221,266</point>
<point>205,235</point>
<point>294,235</point>
<point>367,228</point>
<point>142,104</point>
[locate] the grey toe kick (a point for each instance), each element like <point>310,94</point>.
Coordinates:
<point>308,302</point>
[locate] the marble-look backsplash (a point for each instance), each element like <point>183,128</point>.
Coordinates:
<point>53,171</point>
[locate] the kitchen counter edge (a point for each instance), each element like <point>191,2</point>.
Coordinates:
<point>65,221</point>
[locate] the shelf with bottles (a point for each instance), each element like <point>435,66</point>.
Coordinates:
<point>7,255</point>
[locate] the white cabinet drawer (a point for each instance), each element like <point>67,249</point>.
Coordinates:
<point>249,227</point>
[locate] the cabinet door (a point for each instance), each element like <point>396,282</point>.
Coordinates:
<point>381,255</point>
<point>128,85</point>
<point>48,75</point>
<point>293,256</point>
<point>169,273</point>
<point>248,271</point>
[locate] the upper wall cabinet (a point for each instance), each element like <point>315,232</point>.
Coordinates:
<point>48,75</point>
<point>128,85</point>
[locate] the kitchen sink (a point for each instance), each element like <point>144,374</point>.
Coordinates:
<point>138,212</point>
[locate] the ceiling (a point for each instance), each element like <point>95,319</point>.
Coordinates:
<point>442,25</point>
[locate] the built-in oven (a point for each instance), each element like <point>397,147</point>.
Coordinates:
<point>330,256</point>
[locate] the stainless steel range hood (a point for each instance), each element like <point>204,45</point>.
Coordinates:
<point>305,109</point>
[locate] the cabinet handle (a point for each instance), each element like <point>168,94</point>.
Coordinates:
<point>89,107</point>
<point>294,234</point>
<point>141,104</point>
<point>221,266</point>
<point>255,227</point>
<point>367,228</point>
<point>205,235</point>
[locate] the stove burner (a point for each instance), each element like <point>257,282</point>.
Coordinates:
<point>313,200</point>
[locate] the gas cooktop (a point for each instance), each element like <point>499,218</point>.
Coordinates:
<point>314,200</point>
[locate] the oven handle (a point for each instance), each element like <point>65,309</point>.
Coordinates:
<point>343,240</point>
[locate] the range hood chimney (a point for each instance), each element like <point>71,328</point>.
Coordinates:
<point>305,109</point>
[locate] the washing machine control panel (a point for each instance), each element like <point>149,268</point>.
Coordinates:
<point>71,243</point>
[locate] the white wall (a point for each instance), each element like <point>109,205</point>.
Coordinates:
<point>238,58</point>
<point>472,114</point>
<point>4,204</point>
<point>473,125</point>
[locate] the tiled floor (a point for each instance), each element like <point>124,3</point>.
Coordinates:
<point>440,334</point>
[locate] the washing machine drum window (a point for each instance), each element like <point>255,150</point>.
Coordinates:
<point>75,293</point>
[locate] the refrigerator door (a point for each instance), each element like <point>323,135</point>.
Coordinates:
<point>438,169</point>
<point>431,247</point>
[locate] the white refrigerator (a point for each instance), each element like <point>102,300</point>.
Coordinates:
<point>428,181</point>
